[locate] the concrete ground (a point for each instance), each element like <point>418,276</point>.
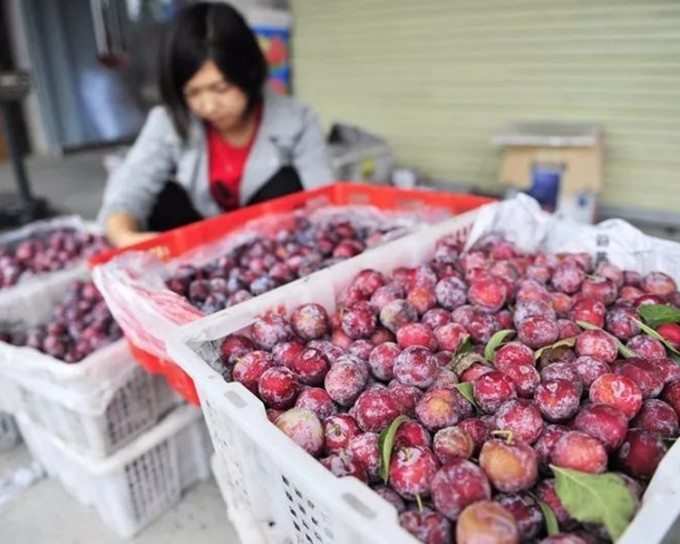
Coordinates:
<point>73,184</point>
<point>45,513</point>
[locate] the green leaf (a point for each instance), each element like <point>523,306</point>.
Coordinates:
<point>595,498</point>
<point>675,357</point>
<point>550,519</point>
<point>462,361</point>
<point>494,342</point>
<point>551,523</point>
<point>651,332</point>
<point>567,342</point>
<point>465,346</point>
<point>623,350</point>
<point>386,443</point>
<point>588,326</point>
<point>658,314</point>
<point>466,389</point>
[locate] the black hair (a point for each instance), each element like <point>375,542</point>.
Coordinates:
<point>209,31</point>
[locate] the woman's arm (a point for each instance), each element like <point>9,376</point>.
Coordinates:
<point>122,230</point>
<point>311,158</point>
<point>133,187</point>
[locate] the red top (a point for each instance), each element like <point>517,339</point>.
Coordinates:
<point>226,164</point>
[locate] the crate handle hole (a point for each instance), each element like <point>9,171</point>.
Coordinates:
<point>359,506</point>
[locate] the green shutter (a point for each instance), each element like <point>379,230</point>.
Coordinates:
<point>438,78</point>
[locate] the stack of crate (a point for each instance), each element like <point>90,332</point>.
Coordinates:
<point>118,438</point>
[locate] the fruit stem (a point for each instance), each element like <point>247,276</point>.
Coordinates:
<point>508,435</point>
<point>419,502</point>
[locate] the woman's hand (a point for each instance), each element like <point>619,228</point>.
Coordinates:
<point>126,239</point>
<point>123,231</point>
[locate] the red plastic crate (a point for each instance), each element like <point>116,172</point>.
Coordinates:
<point>175,243</point>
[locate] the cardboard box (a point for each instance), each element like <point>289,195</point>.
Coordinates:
<point>559,164</point>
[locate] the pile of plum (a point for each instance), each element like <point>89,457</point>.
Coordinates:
<point>486,375</point>
<point>79,325</point>
<point>47,252</point>
<point>262,264</point>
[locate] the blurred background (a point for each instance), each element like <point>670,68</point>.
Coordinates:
<point>432,82</point>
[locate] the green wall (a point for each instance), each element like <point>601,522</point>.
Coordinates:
<point>437,79</point>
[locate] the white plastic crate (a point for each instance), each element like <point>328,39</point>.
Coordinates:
<point>290,495</point>
<point>282,493</point>
<point>138,483</point>
<point>123,404</point>
<point>137,403</point>
<point>9,434</point>
<point>25,295</point>
<point>247,528</point>
<point>25,298</point>
<point>96,405</point>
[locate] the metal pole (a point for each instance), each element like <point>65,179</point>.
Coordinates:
<point>16,157</point>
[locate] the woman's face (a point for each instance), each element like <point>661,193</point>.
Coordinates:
<point>212,98</point>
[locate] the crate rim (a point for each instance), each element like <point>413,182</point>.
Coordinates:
<point>335,189</point>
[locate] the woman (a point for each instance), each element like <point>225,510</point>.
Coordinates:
<point>223,139</point>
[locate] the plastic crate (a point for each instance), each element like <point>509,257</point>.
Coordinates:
<point>96,405</point>
<point>128,402</point>
<point>240,517</point>
<point>9,434</point>
<point>177,243</point>
<point>287,492</point>
<point>24,290</point>
<point>275,492</point>
<point>137,484</point>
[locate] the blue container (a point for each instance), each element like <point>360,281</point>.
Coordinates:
<point>545,185</point>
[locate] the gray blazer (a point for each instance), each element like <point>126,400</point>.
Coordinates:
<point>289,135</point>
